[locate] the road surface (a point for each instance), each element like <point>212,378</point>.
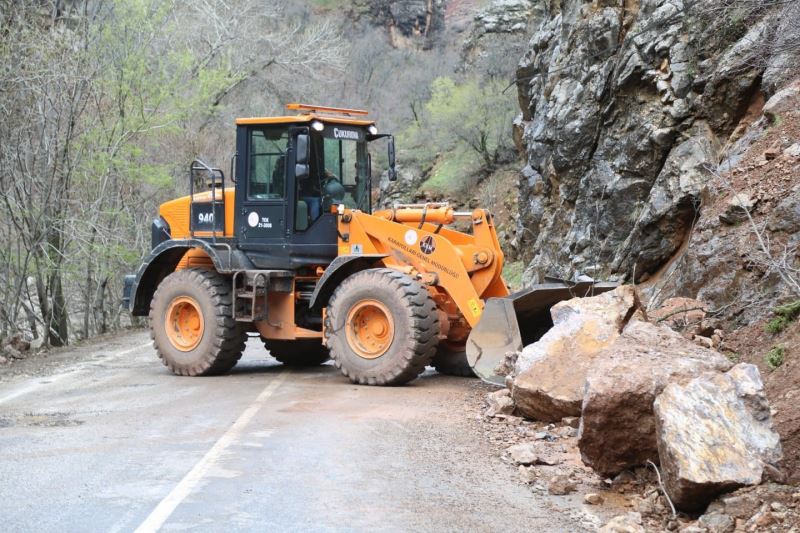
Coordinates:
<point>104,438</point>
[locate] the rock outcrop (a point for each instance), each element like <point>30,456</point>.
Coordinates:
<point>618,428</point>
<point>550,374</point>
<point>714,435</point>
<point>625,105</point>
<point>410,23</point>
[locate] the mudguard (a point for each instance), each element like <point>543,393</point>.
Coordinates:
<point>337,271</point>
<point>160,262</point>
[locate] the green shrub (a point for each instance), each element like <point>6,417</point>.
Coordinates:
<point>775,357</point>
<point>784,315</point>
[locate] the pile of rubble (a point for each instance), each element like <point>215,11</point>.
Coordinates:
<point>16,347</point>
<point>647,405</point>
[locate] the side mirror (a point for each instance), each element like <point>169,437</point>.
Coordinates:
<point>392,169</point>
<point>303,149</point>
<point>301,171</point>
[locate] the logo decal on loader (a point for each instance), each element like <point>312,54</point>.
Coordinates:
<point>252,219</point>
<point>427,245</point>
<point>411,237</point>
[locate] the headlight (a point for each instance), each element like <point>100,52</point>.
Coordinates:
<point>372,130</point>
<point>317,125</point>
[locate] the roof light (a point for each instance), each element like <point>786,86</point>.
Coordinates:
<point>317,125</point>
<point>372,130</point>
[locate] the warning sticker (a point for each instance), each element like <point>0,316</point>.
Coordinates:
<point>474,307</point>
<point>344,250</point>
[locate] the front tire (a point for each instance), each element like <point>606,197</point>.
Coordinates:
<point>191,324</point>
<point>297,353</point>
<point>382,327</point>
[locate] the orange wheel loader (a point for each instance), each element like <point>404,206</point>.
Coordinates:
<point>289,248</point>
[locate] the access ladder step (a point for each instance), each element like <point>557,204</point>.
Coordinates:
<point>251,290</point>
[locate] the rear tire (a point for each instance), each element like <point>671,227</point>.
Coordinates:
<point>382,327</point>
<point>191,324</point>
<point>297,353</point>
<point>452,362</point>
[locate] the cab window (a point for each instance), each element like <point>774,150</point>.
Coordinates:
<point>267,177</point>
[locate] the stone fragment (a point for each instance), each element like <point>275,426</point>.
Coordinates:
<point>500,403</point>
<point>550,373</point>
<point>561,485</point>
<point>527,474</point>
<point>714,435</point>
<point>593,498</point>
<point>523,454</point>
<point>618,426</point>
<point>737,208</point>
<point>627,523</point>
<point>741,505</point>
<point>13,353</point>
<point>717,523</point>
<point>571,421</point>
<point>792,151</point>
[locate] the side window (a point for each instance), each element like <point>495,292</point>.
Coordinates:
<point>267,178</point>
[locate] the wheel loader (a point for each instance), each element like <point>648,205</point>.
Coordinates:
<point>287,247</point>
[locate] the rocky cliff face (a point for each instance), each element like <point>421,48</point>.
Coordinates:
<point>626,105</point>
<point>410,23</point>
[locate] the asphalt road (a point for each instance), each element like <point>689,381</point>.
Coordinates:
<point>104,438</point>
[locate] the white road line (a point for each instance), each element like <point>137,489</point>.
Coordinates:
<point>48,380</point>
<point>186,485</point>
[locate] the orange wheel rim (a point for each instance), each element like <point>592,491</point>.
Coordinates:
<point>184,323</point>
<point>370,329</point>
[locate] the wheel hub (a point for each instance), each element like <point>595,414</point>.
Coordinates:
<point>184,323</point>
<point>370,329</point>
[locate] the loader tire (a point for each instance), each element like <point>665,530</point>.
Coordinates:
<point>191,324</point>
<point>452,361</point>
<point>382,327</point>
<point>297,353</point>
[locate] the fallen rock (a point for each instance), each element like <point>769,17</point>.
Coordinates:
<point>627,523</point>
<point>717,523</point>
<point>527,474</point>
<point>550,373</point>
<point>566,431</point>
<point>714,434</point>
<point>618,426</point>
<point>792,151</point>
<point>500,403</point>
<point>523,454</point>
<point>561,485</point>
<point>741,505</point>
<point>13,353</point>
<point>571,421</point>
<point>738,207</point>
<point>18,343</point>
<point>593,499</point>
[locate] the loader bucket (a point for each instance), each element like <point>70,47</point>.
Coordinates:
<point>512,322</point>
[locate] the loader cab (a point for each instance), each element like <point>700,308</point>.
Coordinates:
<point>291,174</point>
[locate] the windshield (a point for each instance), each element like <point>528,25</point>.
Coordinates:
<point>344,160</point>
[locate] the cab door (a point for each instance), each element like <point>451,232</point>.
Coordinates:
<point>262,187</point>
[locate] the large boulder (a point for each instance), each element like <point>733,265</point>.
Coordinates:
<point>551,372</point>
<point>618,428</point>
<point>714,435</point>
